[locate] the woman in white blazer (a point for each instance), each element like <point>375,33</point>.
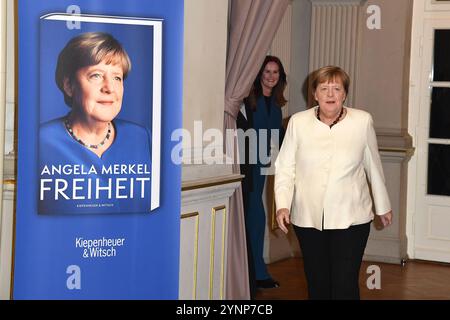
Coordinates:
<point>328,155</point>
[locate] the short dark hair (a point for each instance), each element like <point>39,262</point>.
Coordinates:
<point>329,73</point>
<point>89,49</point>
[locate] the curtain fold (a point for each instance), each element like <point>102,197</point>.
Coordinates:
<point>253,24</point>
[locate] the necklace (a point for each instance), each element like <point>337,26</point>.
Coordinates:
<point>335,121</point>
<point>92,146</point>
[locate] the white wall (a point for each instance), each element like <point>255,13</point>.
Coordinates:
<point>382,82</point>
<point>10,79</point>
<point>7,110</point>
<point>205,45</point>
<point>301,28</point>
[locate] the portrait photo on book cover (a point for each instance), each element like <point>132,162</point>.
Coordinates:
<point>100,114</point>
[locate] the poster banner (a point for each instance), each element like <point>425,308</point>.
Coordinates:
<point>98,196</point>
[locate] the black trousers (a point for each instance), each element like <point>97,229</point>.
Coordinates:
<point>332,259</point>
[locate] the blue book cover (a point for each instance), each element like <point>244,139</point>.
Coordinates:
<point>81,172</point>
<point>98,195</point>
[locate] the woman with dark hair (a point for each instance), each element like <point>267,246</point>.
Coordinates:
<point>90,161</point>
<point>261,112</point>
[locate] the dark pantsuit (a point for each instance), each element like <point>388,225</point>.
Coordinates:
<point>332,259</point>
<point>255,220</point>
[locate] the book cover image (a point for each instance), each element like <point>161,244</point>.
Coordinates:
<point>98,197</point>
<point>99,115</point>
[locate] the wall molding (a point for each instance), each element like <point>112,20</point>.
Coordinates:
<point>335,38</point>
<point>203,263</point>
<point>337,2</point>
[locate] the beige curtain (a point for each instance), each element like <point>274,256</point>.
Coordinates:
<point>253,24</point>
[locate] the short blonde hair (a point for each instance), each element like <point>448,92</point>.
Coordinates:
<point>89,49</point>
<point>327,74</point>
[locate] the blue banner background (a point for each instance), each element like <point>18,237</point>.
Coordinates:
<point>147,265</point>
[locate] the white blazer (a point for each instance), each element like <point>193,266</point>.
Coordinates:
<point>324,173</point>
